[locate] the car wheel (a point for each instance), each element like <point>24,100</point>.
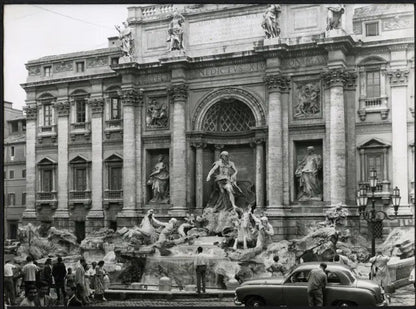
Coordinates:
<point>254,301</point>
<point>345,304</point>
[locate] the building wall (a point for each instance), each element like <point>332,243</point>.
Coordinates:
<point>217,66</point>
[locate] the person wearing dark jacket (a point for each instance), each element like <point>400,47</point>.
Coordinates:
<point>47,274</point>
<point>72,300</point>
<point>59,274</point>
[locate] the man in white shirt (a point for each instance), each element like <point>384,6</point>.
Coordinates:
<point>200,263</point>
<point>9,283</point>
<point>29,273</point>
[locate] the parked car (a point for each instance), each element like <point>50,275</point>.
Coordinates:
<point>343,289</point>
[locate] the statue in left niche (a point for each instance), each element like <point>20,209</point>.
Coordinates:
<point>270,22</point>
<point>175,32</point>
<point>126,39</point>
<point>159,180</point>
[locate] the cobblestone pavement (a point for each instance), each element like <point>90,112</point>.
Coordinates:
<point>404,296</point>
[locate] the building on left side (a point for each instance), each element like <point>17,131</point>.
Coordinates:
<point>14,169</point>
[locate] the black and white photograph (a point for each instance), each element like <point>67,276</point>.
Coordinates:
<point>208,155</point>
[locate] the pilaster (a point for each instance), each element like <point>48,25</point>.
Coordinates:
<point>199,176</point>
<point>139,151</point>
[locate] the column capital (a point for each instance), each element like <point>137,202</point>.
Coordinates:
<point>96,105</point>
<point>219,146</point>
<point>132,97</point>
<point>339,77</point>
<point>277,82</point>
<point>31,112</point>
<point>398,77</point>
<point>62,108</point>
<point>178,92</point>
<point>199,145</point>
<point>257,142</point>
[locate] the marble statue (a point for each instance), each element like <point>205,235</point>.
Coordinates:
<point>336,215</point>
<point>159,179</point>
<point>244,225</point>
<point>225,178</point>
<point>270,22</point>
<point>126,39</point>
<point>175,32</point>
<point>168,228</point>
<point>308,98</point>
<point>310,184</point>
<point>157,115</point>
<point>334,17</point>
<point>188,224</point>
<point>265,232</point>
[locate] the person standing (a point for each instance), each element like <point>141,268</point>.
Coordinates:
<point>44,299</point>
<point>70,278</point>
<point>80,280</point>
<point>59,273</point>
<point>31,299</point>
<point>200,263</point>
<point>99,283</point>
<point>317,281</point>
<point>380,272</point>
<point>47,274</point>
<point>9,288</point>
<point>30,271</point>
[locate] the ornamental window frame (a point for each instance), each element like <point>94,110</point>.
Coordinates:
<point>378,32</point>
<point>113,124</point>
<point>46,111</point>
<point>46,166</point>
<point>372,104</point>
<point>112,162</point>
<point>76,165</point>
<point>75,99</point>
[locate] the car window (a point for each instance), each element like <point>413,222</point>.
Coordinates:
<point>333,278</point>
<point>299,276</point>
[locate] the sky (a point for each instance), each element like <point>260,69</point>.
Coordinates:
<point>34,31</point>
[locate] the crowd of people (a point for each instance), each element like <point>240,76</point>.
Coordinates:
<point>54,284</point>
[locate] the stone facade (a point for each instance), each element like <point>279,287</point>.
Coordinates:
<point>262,100</point>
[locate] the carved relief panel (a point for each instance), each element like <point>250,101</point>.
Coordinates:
<point>157,113</point>
<point>307,102</point>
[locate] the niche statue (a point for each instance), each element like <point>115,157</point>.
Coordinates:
<point>310,184</point>
<point>159,180</point>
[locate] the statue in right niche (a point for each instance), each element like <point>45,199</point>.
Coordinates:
<point>310,184</point>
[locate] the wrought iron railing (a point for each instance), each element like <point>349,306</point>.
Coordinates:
<point>113,194</point>
<point>46,196</point>
<point>114,123</point>
<point>80,194</point>
<point>372,102</point>
<point>80,126</point>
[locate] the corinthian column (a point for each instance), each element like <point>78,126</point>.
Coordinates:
<point>30,212</point>
<point>139,152</point>
<point>61,215</point>
<point>96,214</point>
<point>199,176</point>
<point>275,84</point>
<point>129,212</point>
<point>179,94</point>
<point>335,80</point>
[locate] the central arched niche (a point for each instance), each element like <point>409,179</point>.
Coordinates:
<point>228,115</point>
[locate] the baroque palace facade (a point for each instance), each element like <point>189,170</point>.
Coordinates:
<point>102,124</point>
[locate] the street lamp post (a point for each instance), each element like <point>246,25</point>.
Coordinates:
<point>372,216</point>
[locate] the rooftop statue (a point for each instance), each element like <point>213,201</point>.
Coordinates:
<point>175,32</point>
<point>126,39</point>
<point>334,17</point>
<point>270,22</point>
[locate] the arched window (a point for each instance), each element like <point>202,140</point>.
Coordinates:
<point>228,116</point>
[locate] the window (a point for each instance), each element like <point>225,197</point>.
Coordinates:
<point>80,110</point>
<point>46,180</point>
<point>47,71</point>
<point>373,84</point>
<point>80,179</point>
<point>12,151</point>
<point>23,173</point>
<point>11,199</point>
<point>374,162</point>
<point>114,61</point>
<point>333,278</point>
<point>371,29</point>
<point>80,67</point>
<point>113,225</point>
<point>115,178</point>
<point>47,115</point>
<point>11,174</point>
<point>24,126</point>
<point>23,198</point>
<point>115,108</point>
<point>13,229</point>
<point>14,126</point>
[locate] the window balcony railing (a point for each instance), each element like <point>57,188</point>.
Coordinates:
<point>114,123</point>
<point>48,129</point>
<point>113,194</point>
<point>373,102</point>
<point>46,196</point>
<point>80,126</point>
<point>79,195</point>
<point>366,185</point>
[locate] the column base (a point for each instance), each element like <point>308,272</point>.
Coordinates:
<point>95,214</point>
<point>62,223</point>
<point>276,210</point>
<point>29,214</point>
<point>180,212</point>
<point>93,224</point>
<point>61,214</point>
<point>128,218</point>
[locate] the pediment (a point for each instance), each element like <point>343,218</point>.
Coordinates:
<point>114,158</point>
<point>374,143</point>
<point>78,159</point>
<point>47,161</point>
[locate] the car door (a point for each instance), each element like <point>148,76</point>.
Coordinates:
<point>336,289</point>
<point>295,289</point>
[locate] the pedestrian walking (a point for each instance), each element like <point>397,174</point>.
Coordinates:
<point>88,291</point>
<point>31,299</point>
<point>59,274</point>
<point>46,275</point>
<point>9,287</point>
<point>380,273</point>
<point>70,278</point>
<point>30,271</point>
<point>80,281</point>
<point>72,300</point>
<point>44,299</point>
<point>200,263</point>
<point>99,283</point>
<point>317,281</point>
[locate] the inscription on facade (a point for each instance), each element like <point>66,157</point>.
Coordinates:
<point>228,69</point>
<point>153,78</point>
<point>226,29</point>
<point>304,61</point>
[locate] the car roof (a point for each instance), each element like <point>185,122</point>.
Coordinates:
<point>311,265</point>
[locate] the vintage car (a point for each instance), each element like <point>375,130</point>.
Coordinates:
<point>343,289</point>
